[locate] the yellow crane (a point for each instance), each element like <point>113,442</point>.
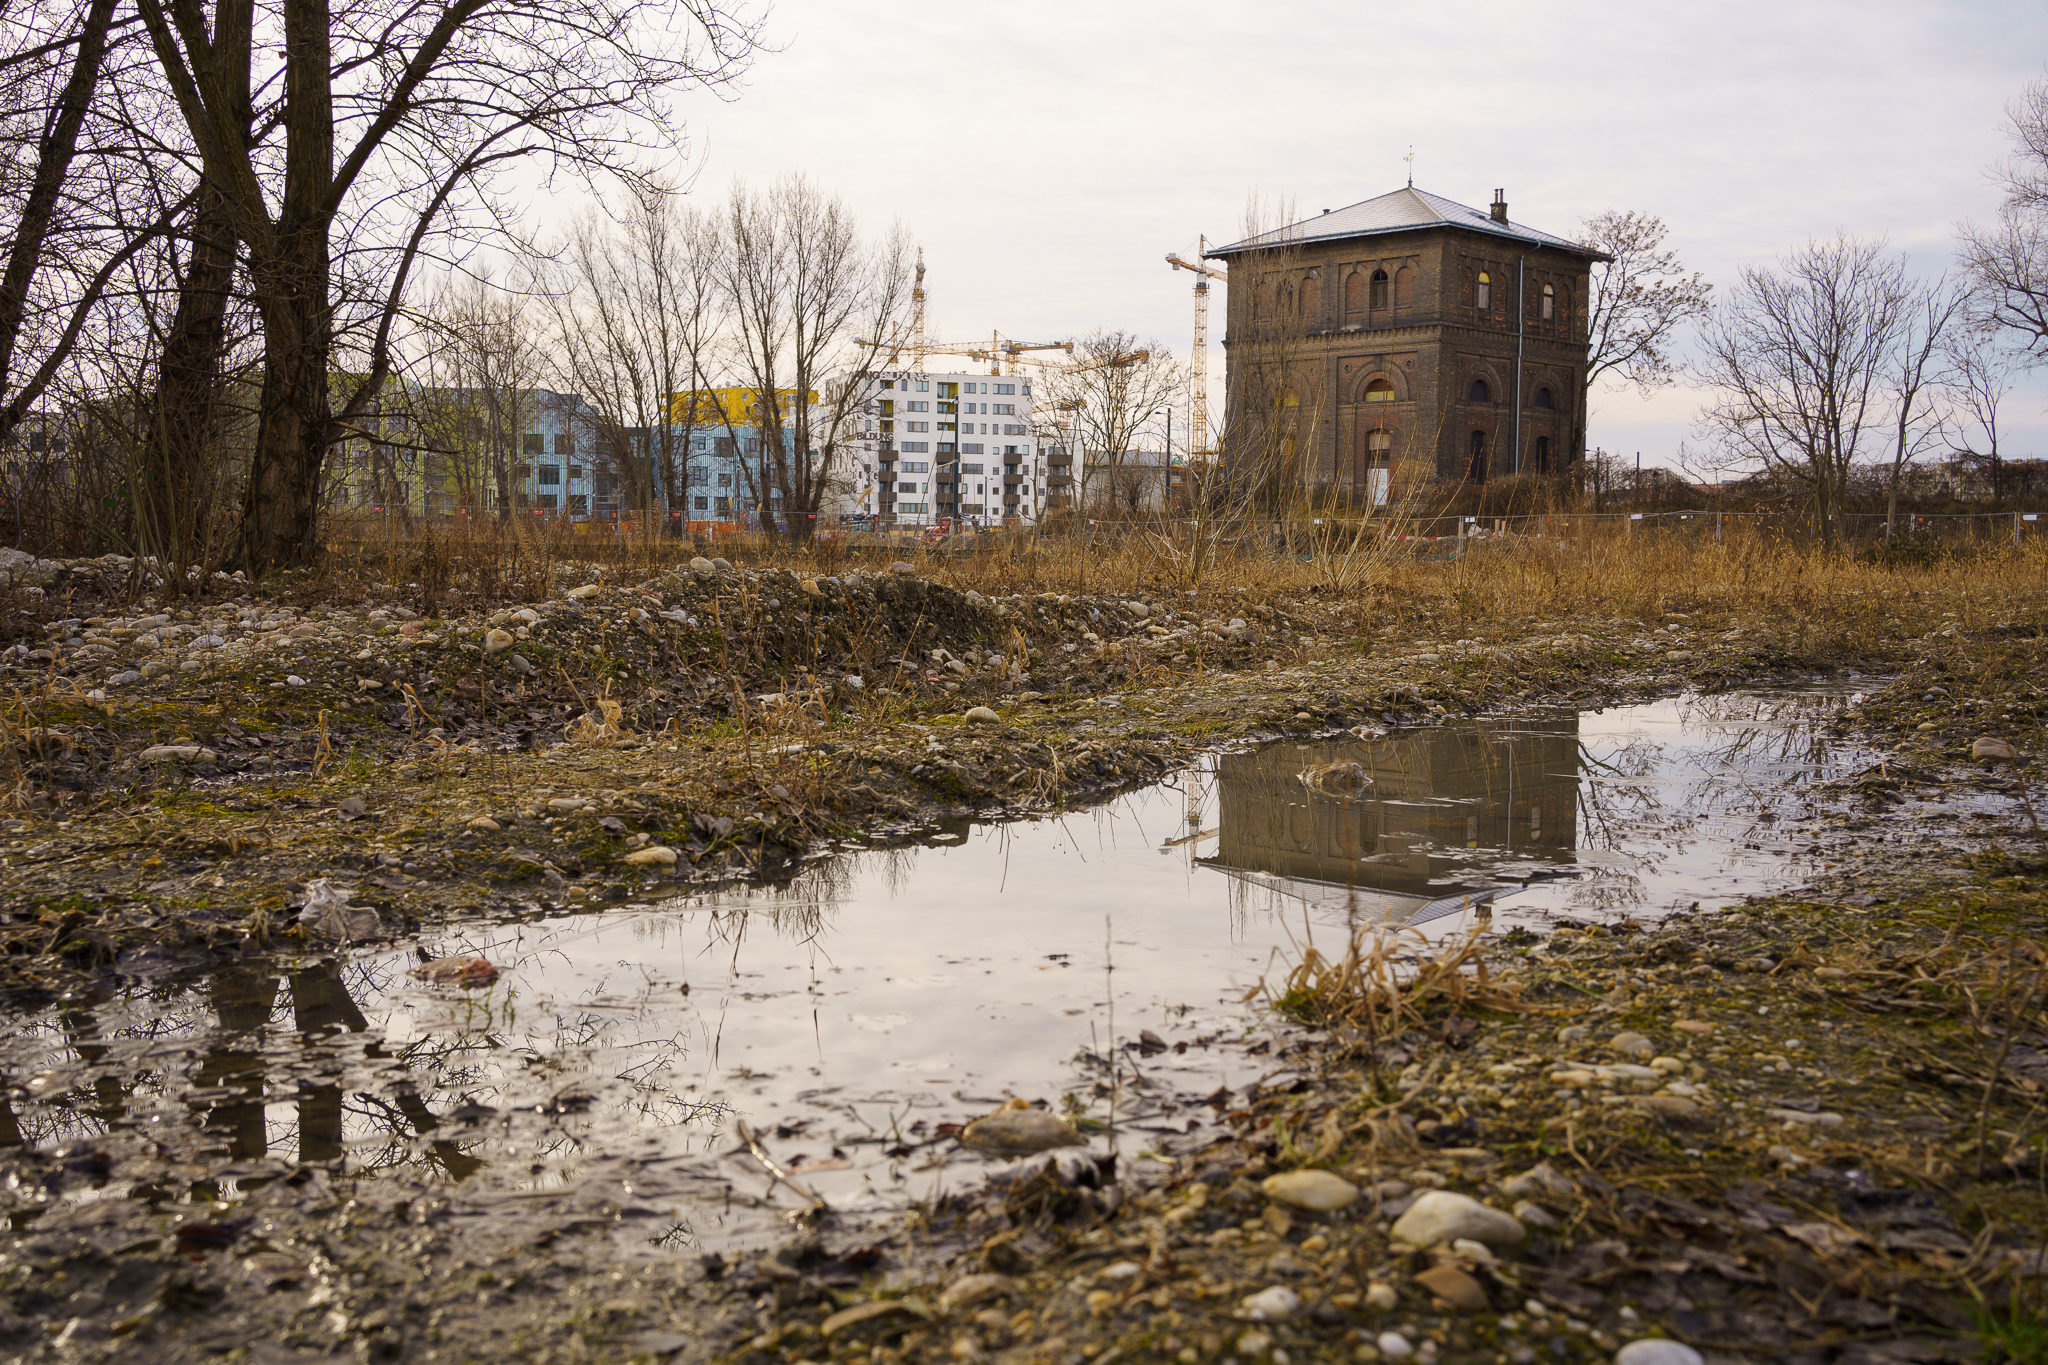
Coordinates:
<point>1198,376</point>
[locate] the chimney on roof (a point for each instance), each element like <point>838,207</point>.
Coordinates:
<point>1500,206</point>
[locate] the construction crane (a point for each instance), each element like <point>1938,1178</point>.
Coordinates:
<point>1012,352</point>
<point>1199,368</point>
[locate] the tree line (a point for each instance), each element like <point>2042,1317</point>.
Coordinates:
<point>204,201</point>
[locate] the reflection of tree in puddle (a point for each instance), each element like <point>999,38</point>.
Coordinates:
<point>282,1062</point>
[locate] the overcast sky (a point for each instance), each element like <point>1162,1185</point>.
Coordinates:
<point>1048,155</point>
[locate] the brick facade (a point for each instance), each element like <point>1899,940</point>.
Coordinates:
<point>1389,347</point>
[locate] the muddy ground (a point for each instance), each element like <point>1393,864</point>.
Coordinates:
<point>1835,1155</point>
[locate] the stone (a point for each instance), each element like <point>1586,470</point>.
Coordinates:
<point>584,593</point>
<point>1442,1216</point>
<point>1823,1119</point>
<point>484,824</point>
<point>567,803</point>
<point>654,855</point>
<point>1454,1287</point>
<point>1394,1346</point>
<point>294,680</point>
<point>1381,1298</point>
<point>178,753</point>
<point>1271,1305</point>
<point>902,567</point>
<point>1019,1130</point>
<point>1534,1215</point>
<point>1630,1044</point>
<point>722,564</point>
<point>520,664</point>
<point>1692,1025</point>
<point>811,588</point>
<point>497,640</point>
<point>124,677</point>
<point>699,564</point>
<point>969,1290</point>
<point>1671,1108</point>
<point>1657,1351</point>
<point>465,972</point>
<point>1987,749</point>
<point>1315,1191</point>
<point>860,1313</point>
<point>982,715</point>
<point>1540,1181</point>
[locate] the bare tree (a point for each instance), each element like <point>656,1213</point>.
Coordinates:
<point>813,307</point>
<point>1917,378</point>
<point>476,394</point>
<point>2009,261</point>
<point>633,307</point>
<point>1799,358</point>
<point>394,122</point>
<point>1639,297</point>
<point>1115,386</point>
<point>1981,371</point>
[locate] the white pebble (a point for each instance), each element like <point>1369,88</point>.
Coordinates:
<point>1657,1351</point>
<point>1272,1305</point>
<point>1395,1346</point>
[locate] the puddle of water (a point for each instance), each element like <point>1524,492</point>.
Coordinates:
<point>847,1016</point>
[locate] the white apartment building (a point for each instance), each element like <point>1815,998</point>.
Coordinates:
<point>935,446</point>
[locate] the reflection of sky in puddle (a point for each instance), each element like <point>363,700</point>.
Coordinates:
<point>887,991</point>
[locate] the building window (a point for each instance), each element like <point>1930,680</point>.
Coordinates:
<point>1354,292</point>
<point>1379,391</point>
<point>1543,398</point>
<point>1476,472</point>
<point>544,501</point>
<point>1484,294</point>
<point>1308,298</point>
<point>579,505</point>
<point>1404,287</point>
<point>535,444</point>
<point>1549,301</point>
<point>565,444</point>
<point>1479,393</point>
<point>1542,454</point>
<point>575,471</point>
<point>550,475</point>
<point>1379,289</point>
<point>702,504</point>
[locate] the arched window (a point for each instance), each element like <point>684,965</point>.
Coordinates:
<point>1379,289</point>
<point>1483,296</point>
<point>1259,300</point>
<point>1476,471</point>
<point>1564,308</point>
<point>1542,454</point>
<point>1404,287</point>
<point>1544,399</point>
<point>1549,302</point>
<point>1479,393</point>
<point>1354,292</point>
<point>1308,298</point>
<point>1290,399</point>
<point>1379,391</point>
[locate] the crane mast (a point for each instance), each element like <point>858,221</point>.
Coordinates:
<point>1198,368</point>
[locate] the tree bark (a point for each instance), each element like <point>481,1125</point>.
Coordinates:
<point>291,278</point>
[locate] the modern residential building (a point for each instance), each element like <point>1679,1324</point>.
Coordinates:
<point>958,446</point>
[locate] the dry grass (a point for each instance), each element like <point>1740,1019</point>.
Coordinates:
<point>1579,568</point>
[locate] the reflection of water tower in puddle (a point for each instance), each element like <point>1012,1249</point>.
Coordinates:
<point>1392,825</point>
